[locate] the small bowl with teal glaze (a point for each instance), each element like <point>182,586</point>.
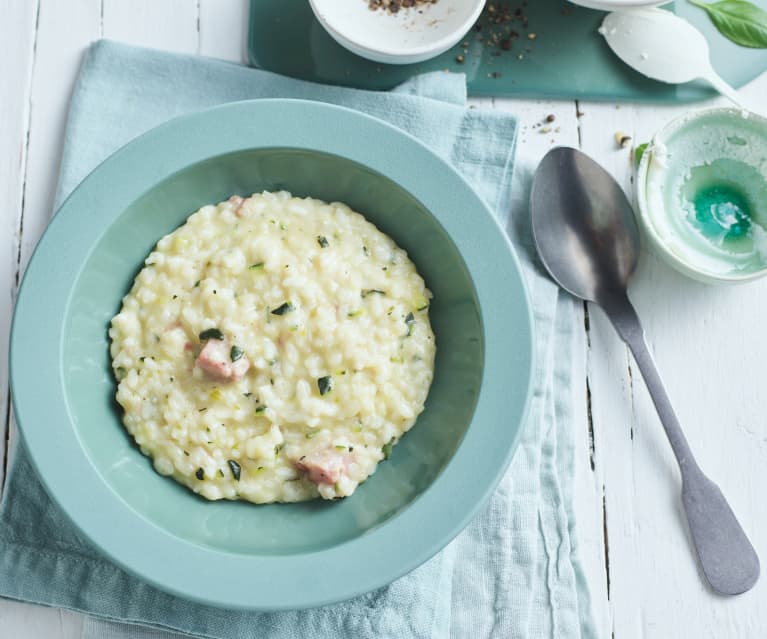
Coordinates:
<point>702,195</point>
<point>281,556</point>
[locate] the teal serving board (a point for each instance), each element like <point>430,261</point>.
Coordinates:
<point>567,58</point>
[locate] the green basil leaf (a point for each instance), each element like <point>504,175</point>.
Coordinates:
<point>639,152</point>
<point>738,20</point>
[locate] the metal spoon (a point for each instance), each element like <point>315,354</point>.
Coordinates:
<point>663,46</point>
<point>587,238</point>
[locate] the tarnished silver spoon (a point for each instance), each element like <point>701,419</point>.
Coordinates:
<point>587,238</point>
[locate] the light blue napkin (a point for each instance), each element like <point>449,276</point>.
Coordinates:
<point>513,572</point>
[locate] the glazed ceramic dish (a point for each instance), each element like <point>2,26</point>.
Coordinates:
<point>702,195</point>
<point>278,556</point>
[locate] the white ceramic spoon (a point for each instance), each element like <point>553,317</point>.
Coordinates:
<point>663,46</point>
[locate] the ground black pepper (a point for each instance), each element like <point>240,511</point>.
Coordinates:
<point>393,6</point>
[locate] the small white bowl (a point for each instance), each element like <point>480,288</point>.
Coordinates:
<point>411,35</point>
<point>702,195</point>
<point>615,5</point>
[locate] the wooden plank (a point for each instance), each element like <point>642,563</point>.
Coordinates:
<point>27,621</point>
<point>17,50</point>
<point>57,60</point>
<point>49,55</point>
<point>655,587</point>
<point>224,28</point>
<point>171,25</point>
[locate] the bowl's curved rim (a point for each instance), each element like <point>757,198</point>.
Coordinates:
<point>271,582</point>
<point>432,48</point>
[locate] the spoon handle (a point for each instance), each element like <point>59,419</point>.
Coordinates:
<point>727,557</point>
<point>716,81</point>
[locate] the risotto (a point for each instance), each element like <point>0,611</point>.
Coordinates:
<point>273,349</point>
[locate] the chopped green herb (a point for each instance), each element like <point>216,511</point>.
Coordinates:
<point>396,360</point>
<point>372,291</point>
<point>283,227</point>
<point>312,433</point>
<point>202,410</point>
<point>277,449</point>
<point>221,473</point>
<point>211,333</point>
<point>339,447</point>
<point>354,313</point>
<point>235,468</point>
<point>175,296</point>
<point>236,353</point>
<point>120,372</point>
<point>247,394</point>
<point>325,384</point>
<point>186,452</point>
<point>409,320</point>
<point>322,241</point>
<point>423,308</point>
<point>197,283</point>
<point>260,410</point>
<point>387,447</point>
<point>365,250</point>
<point>200,474</point>
<point>255,267</point>
<point>283,308</point>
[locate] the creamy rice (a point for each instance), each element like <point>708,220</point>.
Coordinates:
<point>273,349</point>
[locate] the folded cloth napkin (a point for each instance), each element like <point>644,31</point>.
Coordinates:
<point>513,572</point>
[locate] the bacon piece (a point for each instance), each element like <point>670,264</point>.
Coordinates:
<point>324,466</point>
<point>215,360</point>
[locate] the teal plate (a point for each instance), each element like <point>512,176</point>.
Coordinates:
<point>567,58</point>
<point>280,556</point>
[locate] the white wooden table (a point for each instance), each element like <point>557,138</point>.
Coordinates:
<point>710,343</point>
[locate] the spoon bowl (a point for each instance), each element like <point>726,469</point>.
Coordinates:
<point>597,230</point>
<point>664,47</point>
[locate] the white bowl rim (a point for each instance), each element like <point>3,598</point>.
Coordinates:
<point>445,42</point>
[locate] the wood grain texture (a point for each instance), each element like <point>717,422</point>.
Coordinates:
<point>709,342</point>
<point>224,29</point>
<point>704,339</point>
<point>17,51</point>
<point>171,25</point>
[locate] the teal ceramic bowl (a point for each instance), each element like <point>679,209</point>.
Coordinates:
<point>238,555</point>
